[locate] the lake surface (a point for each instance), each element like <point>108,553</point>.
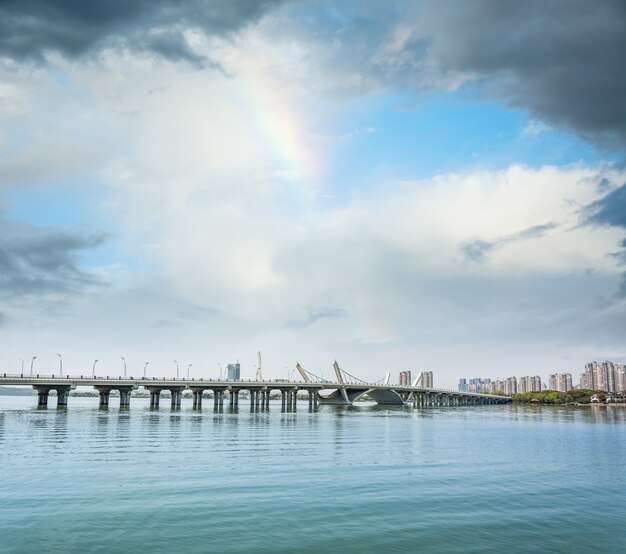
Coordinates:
<point>361,479</point>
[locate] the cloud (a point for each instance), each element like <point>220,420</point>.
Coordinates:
<point>314,316</point>
<point>30,28</point>
<point>562,61</point>
<point>621,291</point>
<point>610,209</point>
<point>477,250</point>
<point>43,260</point>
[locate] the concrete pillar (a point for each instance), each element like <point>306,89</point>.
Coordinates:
<point>155,396</point>
<point>236,393</point>
<point>63,394</point>
<point>295,399</point>
<point>42,397</point>
<point>197,399</point>
<point>267,399</point>
<point>125,398</point>
<point>104,398</point>
<point>310,399</point>
<point>231,399</point>
<point>283,394</point>
<point>257,399</point>
<point>216,399</point>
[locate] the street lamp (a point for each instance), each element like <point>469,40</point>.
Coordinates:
<point>22,366</point>
<point>144,369</point>
<point>188,368</point>
<point>122,358</point>
<point>93,369</point>
<point>60,365</point>
<point>176,368</point>
<point>220,366</point>
<point>31,365</point>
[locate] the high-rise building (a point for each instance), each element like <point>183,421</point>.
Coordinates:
<point>561,382</point>
<point>605,376</point>
<point>462,385</point>
<point>233,372</point>
<point>529,384</point>
<point>510,386</point>
<point>428,379</point>
<point>621,379</point>
<point>405,378</point>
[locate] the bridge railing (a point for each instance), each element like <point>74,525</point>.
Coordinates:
<point>354,381</point>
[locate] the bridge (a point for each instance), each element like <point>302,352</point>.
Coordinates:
<point>344,391</point>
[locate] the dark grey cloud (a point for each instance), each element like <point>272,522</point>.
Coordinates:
<point>562,60</point>
<point>74,27</point>
<point>477,251</point>
<point>316,315</point>
<point>41,260</point>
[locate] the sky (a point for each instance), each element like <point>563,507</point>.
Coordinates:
<point>424,185</point>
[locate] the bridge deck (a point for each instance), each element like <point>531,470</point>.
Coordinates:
<point>165,383</point>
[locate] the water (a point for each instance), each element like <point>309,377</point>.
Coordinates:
<point>361,479</point>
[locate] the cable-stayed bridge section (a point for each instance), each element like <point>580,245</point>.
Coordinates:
<point>343,391</point>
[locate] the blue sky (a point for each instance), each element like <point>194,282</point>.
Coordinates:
<point>396,185</point>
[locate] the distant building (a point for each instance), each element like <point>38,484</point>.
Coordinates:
<point>233,372</point>
<point>427,380</point>
<point>561,382</point>
<point>510,386</point>
<point>476,384</point>
<point>529,384</point>
<point>604,376</point>
<point>405,378</point>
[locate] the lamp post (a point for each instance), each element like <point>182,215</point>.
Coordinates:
<point>31,365</point>
<point>60,365</point>
<point>122,358</point>
<point>188,368</point>
<point>176,368</point>
<point>144,369</point>
<point>93,369</point>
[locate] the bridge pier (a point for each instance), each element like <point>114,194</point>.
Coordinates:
<point>197,399</point>
<point>104,398</point>
<point>155,397</point>
<point>125,398</point>
<point>176,398</point>
<point>63,395</point>
<point>42,397</point>
<point>43,393</point>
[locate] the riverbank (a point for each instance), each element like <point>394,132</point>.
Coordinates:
<point>572,397</point>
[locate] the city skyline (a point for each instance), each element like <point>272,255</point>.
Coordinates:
<point>602,376</point>
<point>374,183</point>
